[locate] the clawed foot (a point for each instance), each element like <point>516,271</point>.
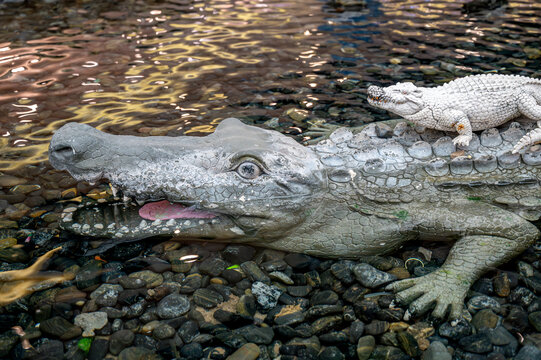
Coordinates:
<point>531,138</point>
<point>462,140</point>
<point>319,132</point>
<point>442,287</point>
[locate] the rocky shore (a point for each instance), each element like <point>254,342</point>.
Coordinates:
<point>167,300</point>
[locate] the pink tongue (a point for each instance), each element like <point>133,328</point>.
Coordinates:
<point>164,210</point>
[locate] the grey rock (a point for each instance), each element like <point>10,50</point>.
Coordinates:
<point>59,327</point>
<point>371,277</point>
<point>207,298</point>
<point>477,343</point>
<point>172,306</point>
<point>528,352</point>
<point>163,331</point>
<point>480,302</point>
<point>436,351</point>
<point>254,273</point>
<point>256,334</point>
<point>120,340</point>
<point>91,321</point>
<point>267,296</point>
<point>138,353</point>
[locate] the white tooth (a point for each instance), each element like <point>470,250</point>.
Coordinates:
<point>140,202</point>
<point>170,222</point>
<point>91,183</point>
<point>113,190</point>
<point>125,199</point>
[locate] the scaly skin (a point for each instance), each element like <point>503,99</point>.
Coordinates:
<point>346,197</point>
<point>471,103</point>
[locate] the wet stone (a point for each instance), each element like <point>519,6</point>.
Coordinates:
<point>131,283</point>
<point>98,349</point>
<point>371,277</point>
<point>477,343</point>
<point>528,352</point>
<point>207,298</point>
<point>232,276</point>
<point>376,327</point>
<point>163,331</point>
<point>212,266</point>
<point>521,296</point>
<point>477,303</point>
<point>88,275</point>
<point>325,297</point>
<point>356,330</point>
<point>408,343</point>
<point>461,329</point>
<point>188,331</point>
<point>436,351</point>
<point>191,283</point>
<point>138,353</point>
<point>172,306</point>
<point>248,351</point>
<point>254,273</point>
<point>14,255</point>
<point>151,278</point>
<point>388,353</point>
<point>256,334</point>
<point>365,347</point>
<point>326,323</point>
<point>246,306</point>
<point>342,270</point>
<point>334,337</point>
<point>120,340</point>
<point>267,296</point>
<point>485,318</point>
<point>274,265</point>
<point>91,321</point>
<point>502,285</point>
<point>60,328</point>
<point>331,353</point>
<point>231,339</point>
<point>535,320</point>
<point>289,315</point>
<point>299,291</point>
<point>500,336</point>
<point>280,276</point>
<point>108,298</point>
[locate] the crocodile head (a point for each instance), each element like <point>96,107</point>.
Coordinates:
<point>235,184</point>
<point>402,98</point>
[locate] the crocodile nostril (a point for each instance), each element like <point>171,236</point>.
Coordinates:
<point>64,151</point>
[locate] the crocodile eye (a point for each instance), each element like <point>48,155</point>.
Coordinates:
<point>249,170</point>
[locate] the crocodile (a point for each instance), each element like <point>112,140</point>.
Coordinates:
<point>464,105</point>
<point>348,196</point>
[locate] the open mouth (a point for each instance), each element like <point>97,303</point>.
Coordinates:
<point>166,210</point>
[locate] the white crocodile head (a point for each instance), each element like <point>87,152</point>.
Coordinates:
<point>402,98</point>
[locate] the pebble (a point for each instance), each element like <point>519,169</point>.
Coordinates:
<point>247,351</point>
<point>257,334</point>
<point>502,285</point>
<point>207,298</point>
<point>477,303</point>
<point>326,323</point>
<point>98,349</point>
<point>212,266</point>
<point>172,306</point>
<point>535,320</point>
<point>237,254</point>
<point>485,318</point>
<point>267,296</point>
<point>408,343</point>
<point>138,353</point>
<point>371,277</point>
<point>91,321</point>
<point>456,331</point>
<point>376,327</point>
<point>254,273</point>
<point>120,340</point>
<point>59,327</point>
<point>163,331</point>
<point>151,278</point>
<point>477,343</point>
<point>436,351</point>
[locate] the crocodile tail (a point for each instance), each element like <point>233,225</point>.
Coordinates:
<point>531,138</point>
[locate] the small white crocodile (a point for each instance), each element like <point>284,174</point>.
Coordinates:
<point>471,103</point>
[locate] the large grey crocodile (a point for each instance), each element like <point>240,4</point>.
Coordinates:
<point>347,196</point>
<point>467,104</point>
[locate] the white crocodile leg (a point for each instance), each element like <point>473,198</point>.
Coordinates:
<point>460,122</point>
<point>531,138</point>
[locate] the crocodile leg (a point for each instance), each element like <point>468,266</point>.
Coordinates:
<point>528,106</point>
<point>501,236</point>
<point>459,121</point>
